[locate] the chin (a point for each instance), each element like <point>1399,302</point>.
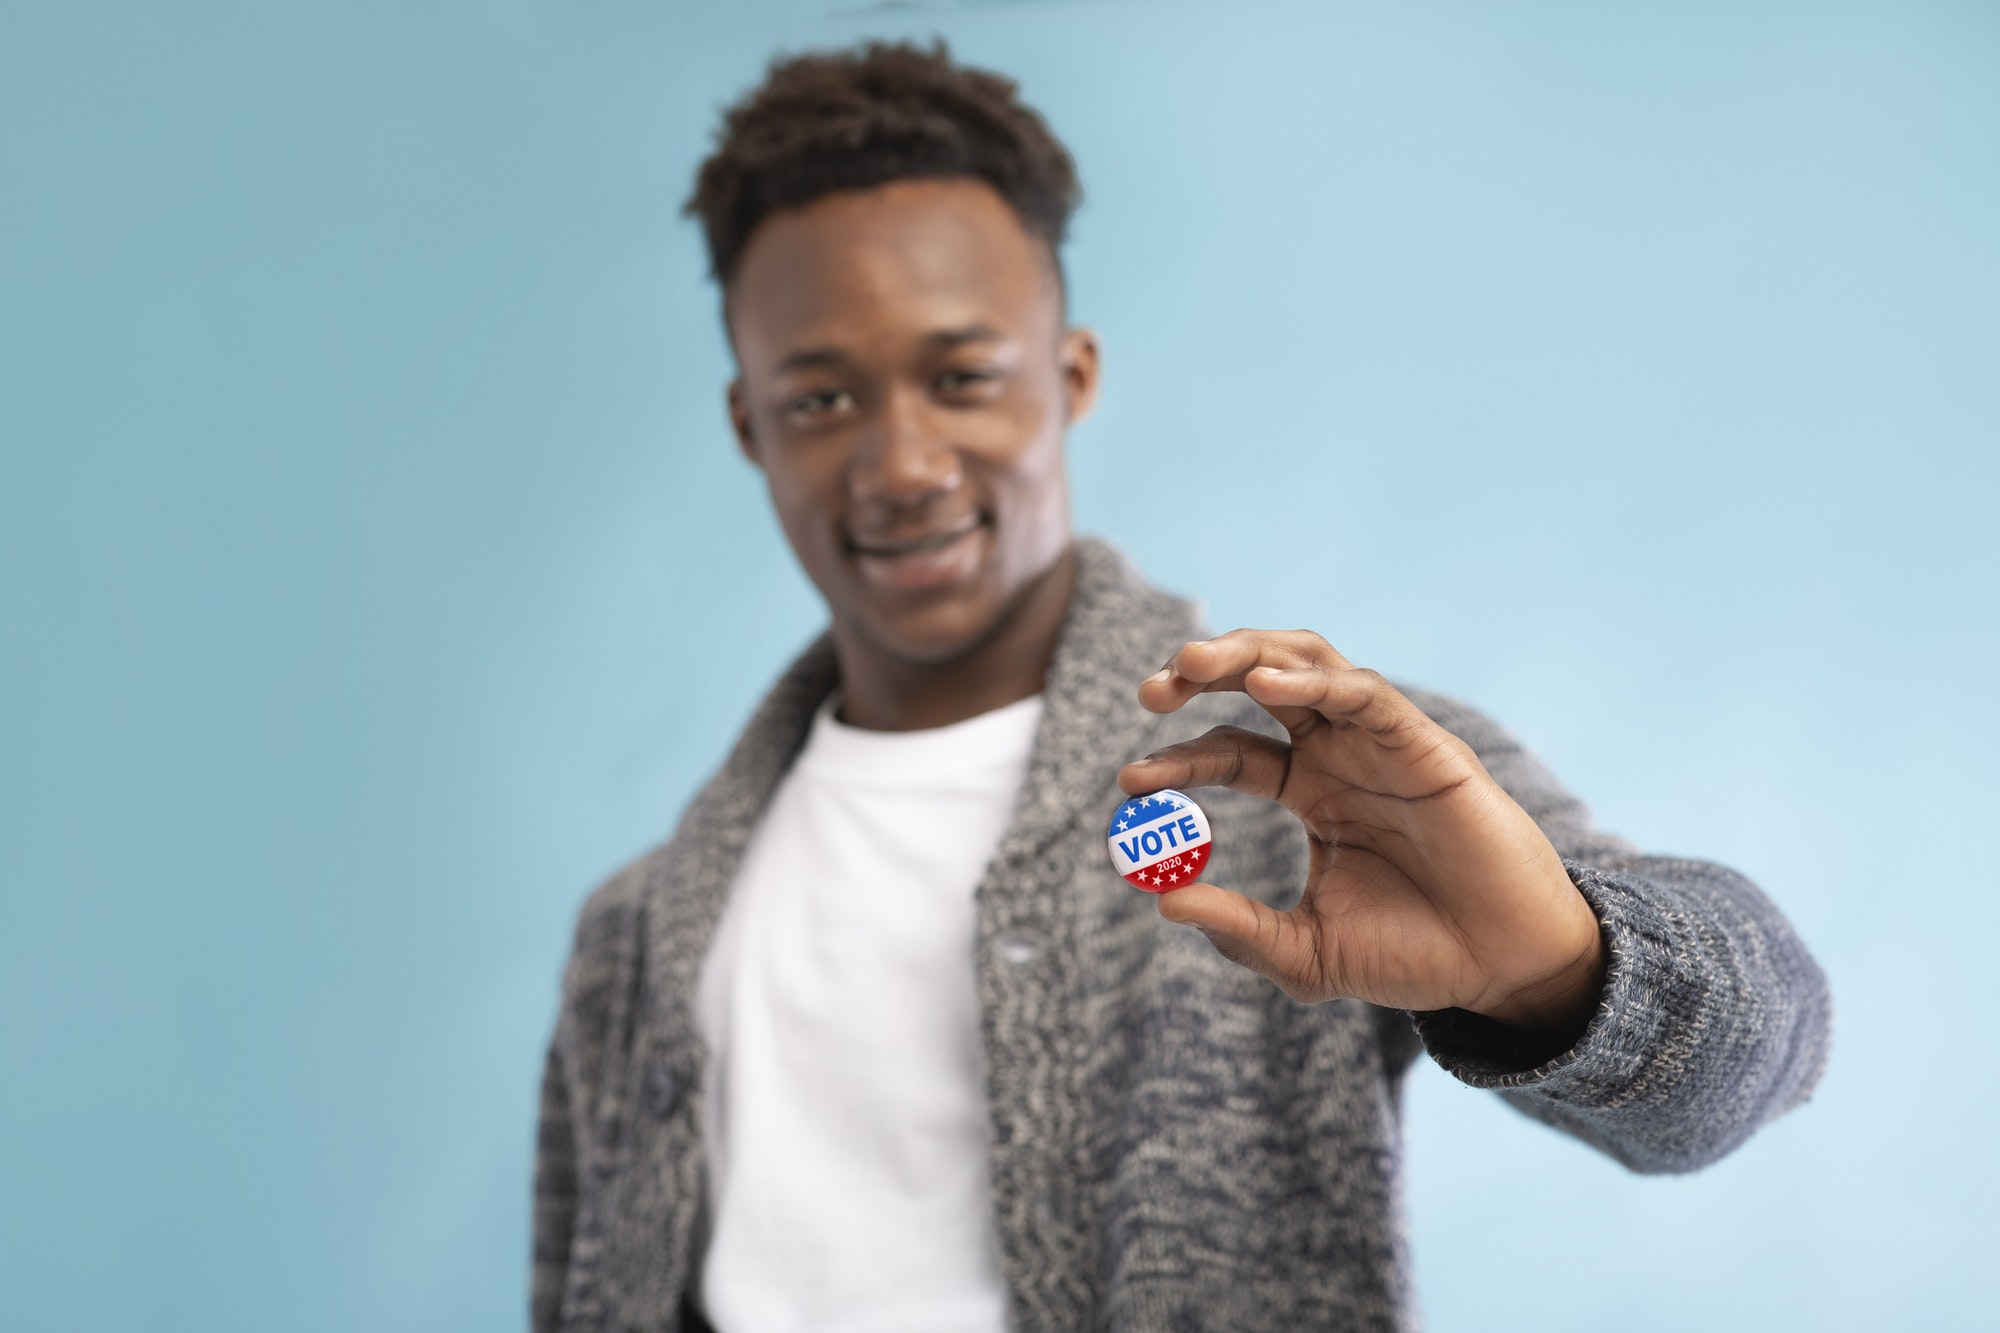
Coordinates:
<point>937,635</point>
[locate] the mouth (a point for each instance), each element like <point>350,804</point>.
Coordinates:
<point>916,561</point>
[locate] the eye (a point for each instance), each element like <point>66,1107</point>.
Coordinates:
<point>820,403</point>
<point>966,382</point>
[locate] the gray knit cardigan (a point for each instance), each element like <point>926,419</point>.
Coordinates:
<point>1175,1144</point>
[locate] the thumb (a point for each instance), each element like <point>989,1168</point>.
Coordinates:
<point>1280,945</point>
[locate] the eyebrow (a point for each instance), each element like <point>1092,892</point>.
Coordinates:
<point>971,333</point>
<point>817,358</point>
<point>813,358</point>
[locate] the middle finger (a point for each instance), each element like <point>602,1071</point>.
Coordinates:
<point>1210,666</point>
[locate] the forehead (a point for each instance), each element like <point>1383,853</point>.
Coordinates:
<point>894,262</point>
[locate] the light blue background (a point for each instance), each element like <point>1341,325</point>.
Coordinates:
<point>378,574</point>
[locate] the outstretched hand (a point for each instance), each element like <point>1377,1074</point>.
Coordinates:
<point>1427,887</point>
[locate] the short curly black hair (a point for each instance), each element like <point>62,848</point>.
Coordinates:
<point>884,111</point>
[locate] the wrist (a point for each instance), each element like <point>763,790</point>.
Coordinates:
<point>1556,1007</point>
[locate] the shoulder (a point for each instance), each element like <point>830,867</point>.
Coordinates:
<point>606,951</point>
<point>608,924</point>
<point>611,927</point>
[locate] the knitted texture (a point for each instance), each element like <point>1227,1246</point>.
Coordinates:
<point>1175,1144</point>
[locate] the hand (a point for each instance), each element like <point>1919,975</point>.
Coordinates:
<point>1427,887</point>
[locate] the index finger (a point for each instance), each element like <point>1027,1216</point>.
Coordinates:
<point>1209,666</point>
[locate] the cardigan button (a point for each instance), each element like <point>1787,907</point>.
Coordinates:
<point>1020,950</point>
<point>661,1091</point>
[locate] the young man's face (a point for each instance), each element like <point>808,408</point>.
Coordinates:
<point>905,382</point>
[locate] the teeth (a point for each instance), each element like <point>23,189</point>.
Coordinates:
<point>927,544</point>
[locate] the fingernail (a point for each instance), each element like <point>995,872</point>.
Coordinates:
<point>1160,675</point>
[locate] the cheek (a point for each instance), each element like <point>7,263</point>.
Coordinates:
<point>1020,440</point>
<point>1034,463</point>
<point>1030,490</point>
<point>805,481</point>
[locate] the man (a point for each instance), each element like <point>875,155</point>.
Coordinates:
<point>880,1040</point>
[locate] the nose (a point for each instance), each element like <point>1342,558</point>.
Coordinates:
<point>906,457</point>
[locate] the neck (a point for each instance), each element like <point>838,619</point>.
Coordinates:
<point>881,693</point>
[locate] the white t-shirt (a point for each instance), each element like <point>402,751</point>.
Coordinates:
<point>847,1130</point>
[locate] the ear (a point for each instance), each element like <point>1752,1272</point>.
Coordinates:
<point>1078,360</point>
<point>739,421</point>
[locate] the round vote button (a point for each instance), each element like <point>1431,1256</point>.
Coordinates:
<point>1159,842</point>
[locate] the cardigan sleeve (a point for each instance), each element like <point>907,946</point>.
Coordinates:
<point>1714,1018</point>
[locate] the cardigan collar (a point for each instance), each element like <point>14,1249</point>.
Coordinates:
<point>1118,630</point>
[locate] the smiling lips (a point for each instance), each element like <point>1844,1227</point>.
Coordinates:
<point>929,560</point>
